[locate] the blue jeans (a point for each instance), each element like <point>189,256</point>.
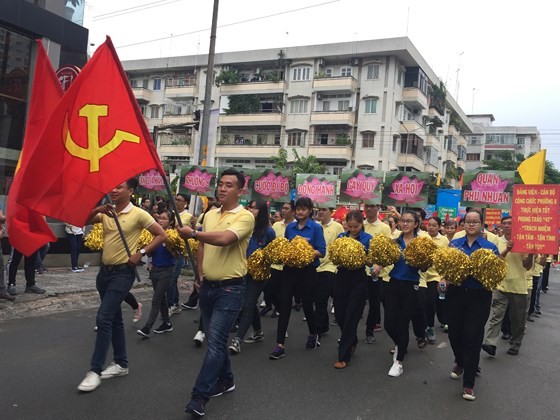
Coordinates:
<point>112,286</point>
<point>75,244</point>
<point>250,313</point>
<point>173,290</point>
<point>219,307</point>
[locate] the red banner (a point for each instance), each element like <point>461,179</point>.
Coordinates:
<point>535,218</point>
<point>493,217</point>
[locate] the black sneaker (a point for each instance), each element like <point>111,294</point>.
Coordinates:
<point>34,289</point>
<point>144,332</point>
<point>275,314</point>
<point>312,342</point>
<point>255,337</point>
<point>163,328</point>
<point>277,353</point>
<point>221,387</point>
<point>188,306</point>
<point>491,350</point>
<point>11,289</point>
<point>265,310</point>
<point>196,406</point>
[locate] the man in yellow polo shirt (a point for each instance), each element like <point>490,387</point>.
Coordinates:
<point>222,265</point>
<point>116,277</point>
<point>510,293</point>
<point>374,226</point>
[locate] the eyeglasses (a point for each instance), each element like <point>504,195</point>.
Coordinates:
<point>407,222</point>
<point>472,222</point>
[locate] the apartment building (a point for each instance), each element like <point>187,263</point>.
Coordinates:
<point>367,104</point>
<point>486,140</point>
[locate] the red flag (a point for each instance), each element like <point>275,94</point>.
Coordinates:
<point>95,139</point>
<point>447,217</point>
<point>461,181</point>
<point>28,229</point>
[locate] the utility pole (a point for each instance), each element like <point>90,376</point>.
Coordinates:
<point>205,124</point>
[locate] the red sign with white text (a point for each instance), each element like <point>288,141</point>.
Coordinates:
<point>535,218</point>
<point>493,217</point>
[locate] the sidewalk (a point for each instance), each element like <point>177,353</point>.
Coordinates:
<point>67,291</point>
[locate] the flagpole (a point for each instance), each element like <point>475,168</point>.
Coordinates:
<point>125,243</point>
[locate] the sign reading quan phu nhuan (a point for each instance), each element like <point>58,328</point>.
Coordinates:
<point>199,180</point>
<point>321,189</point>
<point>270,185</point>
<point>357,186</point>
<point>487,189</point>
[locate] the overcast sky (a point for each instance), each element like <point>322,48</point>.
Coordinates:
<point>505,51</point>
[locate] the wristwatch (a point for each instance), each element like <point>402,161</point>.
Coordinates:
<point>142,252</point>
<point>194,233</point>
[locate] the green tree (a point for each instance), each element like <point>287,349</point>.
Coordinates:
<point>307,165</point>
<point>243,104</point>
<point>507,161</point>
<point>280,161</point>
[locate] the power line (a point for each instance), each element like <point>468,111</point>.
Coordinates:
<point>230,24</point>
<point>133,9</point>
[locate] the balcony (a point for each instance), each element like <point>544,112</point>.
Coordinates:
<point>175,150</point>
<point>452,156</point>
<point>142,95</point>
<point>178,119</point>
<point>244,150</point>
<point>181,91</point>
<point>342,83</point>
<point>409,161</point>
<point>252,88</point>
<point>413,127</point>
<point>433,141</point>
<point>330,151</point>
<point>263,118</point>
<point>332,117</point>
<point>414,98</point>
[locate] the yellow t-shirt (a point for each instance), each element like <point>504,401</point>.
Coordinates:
<point>185,218</point>
<point>431,274</point>
<point>495,239</point>
<point>279,228</point>
<point>331,232</point>
<point>227,262</point>
<point>132,220</point>
<point>515,281</point>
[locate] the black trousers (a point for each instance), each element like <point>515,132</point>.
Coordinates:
<point>506,323</point>
<point>303,282</point>
<point>28,267</point>
<point>400,301</point>
<point>468,311</point>
<point>350,291</point>
<point>534,293</point>
<point>374,299</point>
<point>434,305</point>
<point>545,275</point>
<point>271,291</point>
<point>324,290</point>
<point>419,321</point>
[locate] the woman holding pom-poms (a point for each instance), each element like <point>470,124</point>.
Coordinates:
<point>263,234</point>
<point>401,294</point>
<point>308,235</point>
<point>468,308</point>
<point>351,284</point>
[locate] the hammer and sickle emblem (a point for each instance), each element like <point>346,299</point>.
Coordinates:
<point>94,152</point>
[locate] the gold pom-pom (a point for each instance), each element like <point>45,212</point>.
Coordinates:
<point>299,254</point>
<point>276,250</point>
<point>94,239</point>
<point>348,253</point>
<point>193,244</point>
<point>258,266</point>
<point>419,252</point>
<point>145,238</point>
<point>383,251</point>
<point>452,265</point>
<point>487,268</point>
<point>174,243</point>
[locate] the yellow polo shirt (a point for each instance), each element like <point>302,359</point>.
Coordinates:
<point>279,228</point>
<point>185,218</point>
<point>378,228</point>
<point>331,231</point>
<point>495,239</point>
<point>515,281</point>
<point>227,262</point>
<point>431,274</point>
<point>132,220</point>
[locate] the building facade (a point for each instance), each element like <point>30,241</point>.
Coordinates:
<point>488,141</point>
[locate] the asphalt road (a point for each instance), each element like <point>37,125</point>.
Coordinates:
<point>44,359</point>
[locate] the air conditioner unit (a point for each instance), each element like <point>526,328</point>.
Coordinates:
<point>350,108</point>
<point>354,61</point>
<point>321,62</point>
<point>257,70</point>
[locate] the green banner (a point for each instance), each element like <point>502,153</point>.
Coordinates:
<point>199,180</point>
<point>273,186</point>
<point>249,174</point>
<point>443,212</point>
<point>321,189</point>
<point>150,183</point>
<point>408,189</point>
<point>357,186</point>
<point>482,188</point>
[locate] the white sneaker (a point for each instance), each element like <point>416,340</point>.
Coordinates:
<point>199,338</point>
<point>174,309</point>
<point>113,370</point>
<point>263,304</point>
<point>396,370</point>
<point>137,313</point>
<point>90,382</point>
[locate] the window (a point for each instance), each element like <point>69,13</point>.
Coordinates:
<point>373,71</point>
<point>296,138</point>
<point>328,72</point>
<point>298,106</point>
<point>346,71</point>
<point>395,139</point>
<point>133,83</point>
<point>368,140</point>
<point>301,73</point>
<point>154,111</point>
<point>520,141</point>
<point>157,84</point>
<point>323,139</point>
<point>145,84</point>
<point>326,106</point>
<point>400,75</point>
<point>143,109</point>
<point>343,105</point>
<point>473,156</point>
<point>371,106</point>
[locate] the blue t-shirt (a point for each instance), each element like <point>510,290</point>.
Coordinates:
<point>362,238</point>
<point>403,271</point>
<point>311,231</point>
<point>161,257</point>
<point>479,243</point>
<point>255,243</point>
